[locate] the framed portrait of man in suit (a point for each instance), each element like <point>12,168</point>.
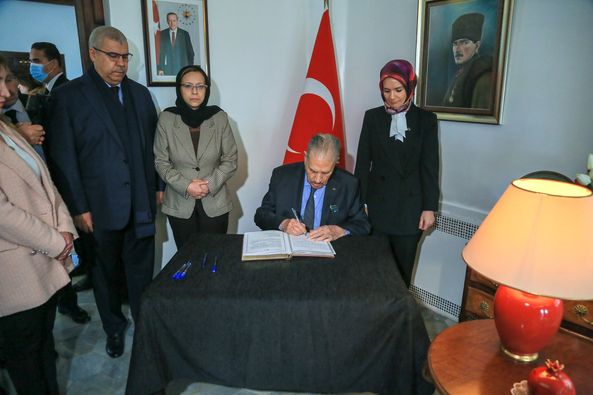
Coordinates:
<point>175,35</point>
<point>461,57</point>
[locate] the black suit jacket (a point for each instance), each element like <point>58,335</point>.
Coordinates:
<point>37,105</point>
<point>341,204</point>
<point>398,180</point>
<point>88,161</point>
<point>172,59</point>
<point>60,81</point>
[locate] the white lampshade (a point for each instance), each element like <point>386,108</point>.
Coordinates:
<point>538,238</point>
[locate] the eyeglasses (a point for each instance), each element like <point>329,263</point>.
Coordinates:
<point>191,87</point>
<point>114,56</point>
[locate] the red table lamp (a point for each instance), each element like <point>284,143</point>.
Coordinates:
<point>537,242</point>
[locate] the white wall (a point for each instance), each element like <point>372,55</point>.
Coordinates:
<point>546,123</point>
<point>258,59</point>
<point>259,51</point>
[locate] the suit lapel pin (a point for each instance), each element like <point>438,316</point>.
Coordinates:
<point>333,208</point>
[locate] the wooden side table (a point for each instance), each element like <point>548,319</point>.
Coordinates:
<point>466,359</point>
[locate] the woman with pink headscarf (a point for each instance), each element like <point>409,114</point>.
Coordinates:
<point>398,165</point>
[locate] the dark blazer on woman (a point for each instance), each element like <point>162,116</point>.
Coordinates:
<point>398,180</point>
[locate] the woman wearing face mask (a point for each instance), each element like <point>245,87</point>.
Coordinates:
<point>36,238</point>
<point>398,165</point>
<point>195,154</point>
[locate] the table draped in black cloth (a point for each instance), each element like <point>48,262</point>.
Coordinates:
<point>346,324</point>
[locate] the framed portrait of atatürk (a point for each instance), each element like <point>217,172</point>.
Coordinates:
<point>175,35</point>
<point>461,58</point>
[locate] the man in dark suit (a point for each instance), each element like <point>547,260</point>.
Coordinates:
<point>100,143</point>
<point>176,50</point>
<point>14,108</point>
<point>326,199</point>
<point>46,67</point>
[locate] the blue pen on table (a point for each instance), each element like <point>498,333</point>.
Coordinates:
<point>174,276</point>
<point>203,263</point>
<point>184,272</point>
<point>182,269</point>
<point>215,265</point>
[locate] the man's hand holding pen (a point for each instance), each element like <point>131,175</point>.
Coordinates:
<point>293,227</point>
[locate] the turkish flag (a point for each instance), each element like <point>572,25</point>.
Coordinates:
<point>157,30</point>
<point>319,109</point>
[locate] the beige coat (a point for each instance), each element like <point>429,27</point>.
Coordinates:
<point>32,214</point>
<point>177,163</point>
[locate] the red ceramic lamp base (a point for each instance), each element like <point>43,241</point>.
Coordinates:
<point>525,322</point>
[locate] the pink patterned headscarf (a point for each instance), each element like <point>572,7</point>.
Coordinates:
<point>402,71</point>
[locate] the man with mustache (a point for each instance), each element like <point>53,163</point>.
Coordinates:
<point>472,85</point>
<point>100,139</point>
<point>314,196</point>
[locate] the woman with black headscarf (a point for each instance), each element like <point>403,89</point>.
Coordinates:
<point>195,154</point>
<point>398,165</point>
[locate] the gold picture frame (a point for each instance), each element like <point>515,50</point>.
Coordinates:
<point>462,58</point>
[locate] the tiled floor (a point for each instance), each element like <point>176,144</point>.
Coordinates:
<point>84,367</point>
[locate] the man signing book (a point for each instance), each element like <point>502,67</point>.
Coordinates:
<point>326,199</point>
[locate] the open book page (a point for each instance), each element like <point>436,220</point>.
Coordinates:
<point>268,244</point>
<point>303,246</point>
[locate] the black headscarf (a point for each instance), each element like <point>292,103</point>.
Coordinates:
<point>192,118</point>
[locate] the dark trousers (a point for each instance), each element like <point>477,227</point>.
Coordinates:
<point>84,248</point>
<point>120,258</point>
<point>199,222</point>
<point>29,349</point>
<point>404,251</point>
<point>67,298</point>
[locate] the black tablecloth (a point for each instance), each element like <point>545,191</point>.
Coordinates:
<point>309,324</point>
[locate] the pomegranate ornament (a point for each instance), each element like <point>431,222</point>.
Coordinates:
<point>550,380</point>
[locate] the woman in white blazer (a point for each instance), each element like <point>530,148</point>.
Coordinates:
<point>36,238</point>
<point>195,154</point>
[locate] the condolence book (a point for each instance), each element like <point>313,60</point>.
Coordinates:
<point>275,244</point>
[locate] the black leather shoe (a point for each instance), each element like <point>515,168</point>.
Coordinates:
<point>77,314</point>
<point>115,345</point>
<point>83,285</point>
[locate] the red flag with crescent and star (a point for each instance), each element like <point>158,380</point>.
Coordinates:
<point>319,109</point>
<point>156,20</point>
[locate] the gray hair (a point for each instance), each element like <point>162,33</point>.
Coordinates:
<point>324,143</point>
<point>102,32</point>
